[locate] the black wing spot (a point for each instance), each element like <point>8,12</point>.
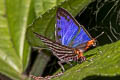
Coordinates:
<point>68,20</point>
<point>59,37</point>
<point>63,14</point>
<point>58,17</point>
<point>58,29</point>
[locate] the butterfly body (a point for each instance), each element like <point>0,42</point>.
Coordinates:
<point>72,39</point>
<point>62,52</point>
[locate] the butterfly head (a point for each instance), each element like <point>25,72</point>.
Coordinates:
<point>92,42</point>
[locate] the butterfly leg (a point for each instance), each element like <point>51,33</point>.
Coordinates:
<point>90,43</point>
<point>83,58</point>
<point>80,58</point>
<point>64,61</point>
<point>67,61</point>
<point>46,77</point>
<point>60,63</point>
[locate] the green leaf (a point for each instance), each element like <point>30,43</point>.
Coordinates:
<point>104,64</point>
<point>41,6</point>
<point>14,49</point>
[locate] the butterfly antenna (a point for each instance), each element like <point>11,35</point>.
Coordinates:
<point>99,35</point>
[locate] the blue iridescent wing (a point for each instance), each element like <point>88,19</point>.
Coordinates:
<point>65,27</point>
<point>81,37</point>
<point>68,30</point>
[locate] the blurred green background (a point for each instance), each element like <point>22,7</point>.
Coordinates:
<point>22,54</point>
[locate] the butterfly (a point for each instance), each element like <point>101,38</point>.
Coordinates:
<point>72,39</point>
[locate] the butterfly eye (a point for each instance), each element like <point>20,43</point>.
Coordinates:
<point>94,44</point>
